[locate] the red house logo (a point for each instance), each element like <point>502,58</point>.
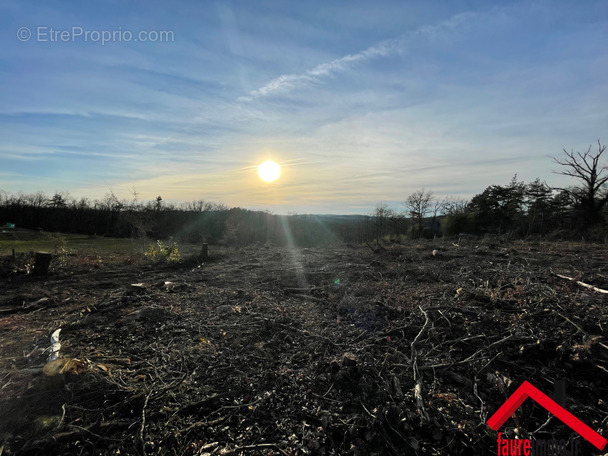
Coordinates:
<point>527,390</point>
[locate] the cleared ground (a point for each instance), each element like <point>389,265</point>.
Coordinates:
<point>337,350</point>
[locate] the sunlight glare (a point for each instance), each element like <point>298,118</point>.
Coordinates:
<point>269,171</point>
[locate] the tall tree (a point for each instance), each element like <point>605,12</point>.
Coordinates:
<point>158,203</point>
<point>499,208</point>
<point>418,205</point>
<point>591,172</point>
<point>58,200</point>
<point>383,218</point>
<point>537,199</point>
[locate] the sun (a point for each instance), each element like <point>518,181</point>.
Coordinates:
<point>269,171</point>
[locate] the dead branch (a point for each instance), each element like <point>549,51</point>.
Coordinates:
<point>572,323</point>
<point>417,378</point>
<point>582,284</point>
<point>139,441</point>
<point>413,344</point>
<point>30,307</point>
<point>469,358</point>
<point>258,446</point>
<point>201,424</point>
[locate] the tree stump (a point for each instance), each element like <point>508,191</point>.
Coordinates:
<point>42,263</point>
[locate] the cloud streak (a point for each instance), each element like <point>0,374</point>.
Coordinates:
<point>287,82</point>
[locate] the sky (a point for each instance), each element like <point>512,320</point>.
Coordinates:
<point>359,102</point>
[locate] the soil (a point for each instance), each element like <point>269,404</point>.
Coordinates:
<point>321,351</point>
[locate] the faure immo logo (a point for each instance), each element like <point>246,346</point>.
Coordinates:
<point>509,447</point>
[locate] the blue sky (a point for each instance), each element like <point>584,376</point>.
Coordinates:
<point>359,102</point>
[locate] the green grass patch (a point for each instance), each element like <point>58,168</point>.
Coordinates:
<point>29,240</point>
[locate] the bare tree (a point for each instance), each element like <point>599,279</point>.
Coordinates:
<point>419,205</point>
<point>197,206</point>
<point>82,203</point>
<point>36,200</point>
<point>452,205</point>
<point>586,167</point>
<point>110,202</point>
<point>383,217</point>
<point>436,208</point>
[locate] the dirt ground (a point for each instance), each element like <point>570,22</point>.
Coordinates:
<point>323,351</point>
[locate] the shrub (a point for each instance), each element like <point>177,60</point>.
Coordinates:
<point>163,253</point>
<point>60,249</point>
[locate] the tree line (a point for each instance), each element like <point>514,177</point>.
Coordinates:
<point>516,209</point>
<point>195,221</point>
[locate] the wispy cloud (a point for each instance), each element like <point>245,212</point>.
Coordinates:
<point>288,82</point>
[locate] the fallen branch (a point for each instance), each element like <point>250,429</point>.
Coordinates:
<point>139,440</point>
<point>582,284</point>
<point>413,344</point>
<point>207,402</point>
<point>572,323</point>
<point>257,446</point>
<point>417,377</point>
<point>466,360</point>
<point>200,424</point>
<point>33,306</point>
<point>76,432</point>
<point>424,416</point>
